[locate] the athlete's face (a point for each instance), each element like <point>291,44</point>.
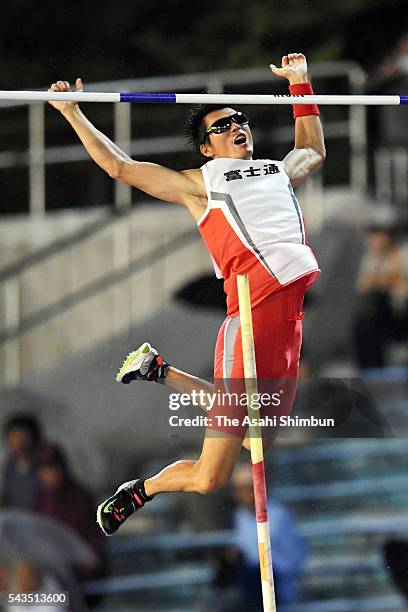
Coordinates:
<point>236,142</point>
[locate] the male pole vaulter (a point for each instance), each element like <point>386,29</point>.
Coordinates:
<point>251,223</point>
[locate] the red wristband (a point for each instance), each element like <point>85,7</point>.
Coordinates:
<point>303,110</point>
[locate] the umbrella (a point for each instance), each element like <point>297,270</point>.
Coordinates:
<point>41,540</point>
<point>48,545</point>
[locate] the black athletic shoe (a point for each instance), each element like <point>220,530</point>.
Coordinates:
<point>113,512</point>
<point>143,364</point>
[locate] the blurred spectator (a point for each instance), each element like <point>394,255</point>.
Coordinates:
<point>288,550</point>
<point>3,578</point>
<point>388,126</point>
<point>382,295</point>
<point>20,480</point>
<point>61,497</point>
<point>38,552</point>
<point>391,77</point>
<point>26,578</point>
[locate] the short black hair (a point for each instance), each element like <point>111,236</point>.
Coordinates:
<point>194,123</point>
<point>26,422</point>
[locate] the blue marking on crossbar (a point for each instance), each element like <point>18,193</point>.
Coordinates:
<point>149,98</point>
<point>403,99</point>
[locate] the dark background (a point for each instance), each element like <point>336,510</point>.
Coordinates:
<point>42,41</point>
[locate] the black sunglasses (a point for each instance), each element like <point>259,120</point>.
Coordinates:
<point>224,124</point>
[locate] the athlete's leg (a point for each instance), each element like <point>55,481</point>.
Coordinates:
<point>209,473</point>
<point>220,450</point>
<point>187,383</point>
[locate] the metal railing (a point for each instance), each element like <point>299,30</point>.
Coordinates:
<point>38,156</point>
<point>109,268</point>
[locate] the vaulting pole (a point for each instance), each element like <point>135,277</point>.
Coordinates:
<point>255,437</point>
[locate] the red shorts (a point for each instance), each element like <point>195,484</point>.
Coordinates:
<point>277,327</point>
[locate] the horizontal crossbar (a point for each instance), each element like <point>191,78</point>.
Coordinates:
<point>227,99</point>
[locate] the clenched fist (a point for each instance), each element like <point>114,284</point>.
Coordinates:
<point>294,68</point>
<point>64,86</point>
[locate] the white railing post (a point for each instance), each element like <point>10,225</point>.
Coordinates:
<point>215,85</point>
<point>11,323</point>
<point>122,137</point>
<point>383,170</point>
<point>358,133</point>
<point>36,159</point>
<point>123,305</point>
<point>358,146</point>
<point>401,175</point>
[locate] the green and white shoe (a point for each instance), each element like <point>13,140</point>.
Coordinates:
<point>143,364</point>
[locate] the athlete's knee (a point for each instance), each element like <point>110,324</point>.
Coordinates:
<point>207,483</point>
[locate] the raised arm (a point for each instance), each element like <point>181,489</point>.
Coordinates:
<point>156,180</point>
<point>309,151</point>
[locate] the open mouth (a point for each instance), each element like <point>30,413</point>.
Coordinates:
<point>240,139</point>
